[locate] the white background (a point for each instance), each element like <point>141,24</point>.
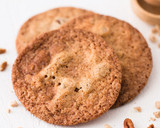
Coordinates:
<point>13,13</point>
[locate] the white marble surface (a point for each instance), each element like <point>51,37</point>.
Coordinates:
<point>13,13</point>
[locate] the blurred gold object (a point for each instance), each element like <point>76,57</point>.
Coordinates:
<point>153,2</point>
<point>147,11</point>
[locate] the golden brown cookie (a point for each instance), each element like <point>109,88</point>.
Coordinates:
<point>67,77</point>
<point>130,47</point>
<point>44,22</point>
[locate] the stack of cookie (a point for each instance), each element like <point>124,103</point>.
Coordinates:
<point>73,65</point>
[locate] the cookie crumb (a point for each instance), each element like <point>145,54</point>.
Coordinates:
<point>14,104</point>
<point>9,110</point>
<point>157,114</point>
<point>138,109</point>
<point>153,119</point>
<point>155,30</point>
<point>2,50</point>
<point>107,126</point>
<point>128,123</point>
<point>151,126</point>
<point>3,66</point>
<point>157,103</point>
<point>152,38</point>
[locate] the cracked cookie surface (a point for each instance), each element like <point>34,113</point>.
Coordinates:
<point>67,77</point>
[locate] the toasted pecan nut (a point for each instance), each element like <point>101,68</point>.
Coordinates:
<point>3,66</point>
<point>2,50</point>
<point>151,126</point>
<point>128,123</point>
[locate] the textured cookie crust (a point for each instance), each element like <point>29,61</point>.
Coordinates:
<point>44,22</point>
<point>129,45</point>
<point>67,77</point>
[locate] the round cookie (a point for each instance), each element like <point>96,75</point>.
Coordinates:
<point>129,45</point>
<point>44,22</point>
<point>67,77</point>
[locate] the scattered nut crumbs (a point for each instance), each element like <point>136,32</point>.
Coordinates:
<point>157,114</point>
<point>128,123</point>
<point>2,50</point>
<point>152,38</point>
<point>3,66</point>
<point>153,119</point>
<point>14,104</point>
<point>157,103</point>
<point>9,110</point>
<point>107,126</point>
<point>138,109</point>
<point>156,29</point>
<point>151,126</point>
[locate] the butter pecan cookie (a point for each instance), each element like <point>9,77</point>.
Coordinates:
<point>44,22</point>
<point>129,45</point>
<point>67,77</point>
